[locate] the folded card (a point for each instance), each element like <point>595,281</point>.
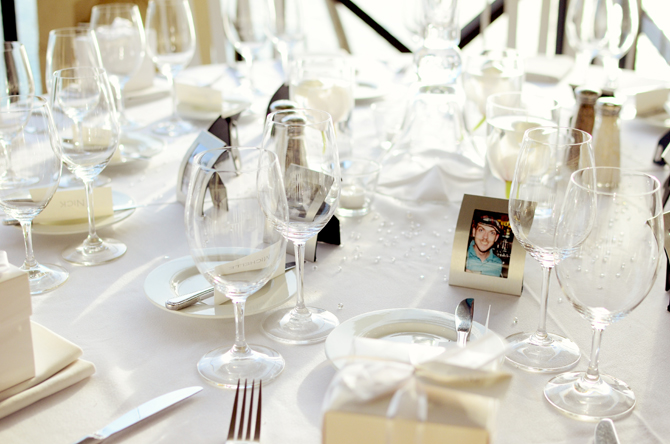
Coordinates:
<point>201,97</point>
<point>69,205</point>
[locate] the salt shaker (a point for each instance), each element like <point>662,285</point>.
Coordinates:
<point>584,118</point>
<point>606,136</point>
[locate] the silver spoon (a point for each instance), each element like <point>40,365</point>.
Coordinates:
<point>463,320</point>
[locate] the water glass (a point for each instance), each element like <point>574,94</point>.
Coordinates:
<point>359,182</point>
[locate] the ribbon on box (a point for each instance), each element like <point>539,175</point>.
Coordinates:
<point>413,374</point>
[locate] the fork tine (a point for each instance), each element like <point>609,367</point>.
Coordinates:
<point>257,432</point>
<point>233,417</point>
<point>251,411</point>
<point>240,430</point>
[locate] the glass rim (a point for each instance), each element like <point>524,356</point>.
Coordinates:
<point>490,102</point>
<point>324,117</point>
<point>626,171</point>
<point>377,166</point>
<point>64,73</point>
<point>197,160</point>
<point>528,134</point>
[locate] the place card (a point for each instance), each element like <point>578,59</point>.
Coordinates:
<point>495,264</point>
<point>202,97</point>
<point>70,205</point>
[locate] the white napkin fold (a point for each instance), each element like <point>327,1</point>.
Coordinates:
<point>57,366</point>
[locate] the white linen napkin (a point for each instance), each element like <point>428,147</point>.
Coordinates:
<point>57,366</point>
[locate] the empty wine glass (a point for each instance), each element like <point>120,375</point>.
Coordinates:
<point>35,156</point>
<point>72,48</point>
<point>606,276</point>
<point>170,36</point>
<point>16,79</point>
<point>304,141</point>
<point>230,217</point>
<point>85,116</point>
<point>246,24</point>
<point>547,158</point>
<point>120,34</point>
<point>287,30</point>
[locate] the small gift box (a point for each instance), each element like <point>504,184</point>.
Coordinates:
<point>399,393</point>
<point>16,345</point>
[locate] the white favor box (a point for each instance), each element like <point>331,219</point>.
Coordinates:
<point>17,362</point>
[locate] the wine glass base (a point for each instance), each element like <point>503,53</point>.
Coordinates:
<point>109,250</point>
<point>220,368</point>
<point>557,354</point>
<point>45,278</point>
<point>173,128</point>
<point>284,326</point>
<point>607,398</point>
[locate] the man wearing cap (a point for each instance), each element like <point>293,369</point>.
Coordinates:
<point>481,258</point>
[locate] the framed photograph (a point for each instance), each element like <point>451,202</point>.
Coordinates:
<point>485,254</point>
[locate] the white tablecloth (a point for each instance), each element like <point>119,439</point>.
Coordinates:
<point>397,256</point>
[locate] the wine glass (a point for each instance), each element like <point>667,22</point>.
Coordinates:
<point>287,30</point>
<point>72,48</point>
<point>35,156</point>
<point>508,116</point>
<point>548,157</point>
<point>83,107</point>
<point>601,28</point>
<point>170,36</point>
<point>227,232</point>
<point>304,141</point>
<point>120,34</point>
<point>16,79</point>
<point>606,276</point>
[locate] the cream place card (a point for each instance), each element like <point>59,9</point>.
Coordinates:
<point>68,205</point>
<point>199,96</point>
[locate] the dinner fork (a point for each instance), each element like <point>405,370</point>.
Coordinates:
<point>237,421</point>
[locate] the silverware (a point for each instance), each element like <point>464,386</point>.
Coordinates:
<point>186,300</point>
<point>606,433</point>
<point>463,320</point>
<point>237,420</point>
<point>142,412</point>
<point>11,221</point>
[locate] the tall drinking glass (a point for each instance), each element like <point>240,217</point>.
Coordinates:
<point>234,243</point>
<point>304,141</point>
<point>508,116</point>
<point>170,35</point>
<point>35,156</point>
<point>287,30</point>
<point>85,116</point>
<point>546,161</point>
<point>609,274</point>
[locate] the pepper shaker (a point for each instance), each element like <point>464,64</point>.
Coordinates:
<point>585,114</point>
<point>606,137</point>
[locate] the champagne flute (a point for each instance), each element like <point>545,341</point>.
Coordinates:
<point>230,217</point>
<point>16,79</point>
<point>547,158</point>
<point>35,152</point>
<point>304,141</point>
<point>83,107</point>
<point>246,23</point>
<point>623,24</point>
<point>287,30</point>
<point>609,274</point>
<point>170,36</point>
<point>72,48</point>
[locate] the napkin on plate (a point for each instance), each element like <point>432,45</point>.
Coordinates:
<point>57,366</point>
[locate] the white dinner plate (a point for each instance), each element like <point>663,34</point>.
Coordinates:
<point>230,107</point>
<point>406,325</point>
<point>119,200</point>
<point>180,276</point>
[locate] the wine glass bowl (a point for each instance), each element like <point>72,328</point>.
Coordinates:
<point>230,215</point>
<point>547,158</point>
<point>609,273</point>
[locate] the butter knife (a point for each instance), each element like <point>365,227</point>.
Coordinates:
<point>606,433</point>
<point>186,300</point>
<point>463,320</point>
<point>138,414</point>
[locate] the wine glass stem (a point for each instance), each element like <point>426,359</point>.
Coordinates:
<point>169,75</point>
<point>540,335</point>
<point>118,94</point>
<point>92,240</point>
<point>27,228</point>
<point>240,347</point>
<point>591,376</point>
<point>248,57</point>
<point>612,71</point>
<point>582,62</point>
<point>6,151</point>
<point>300,309</point>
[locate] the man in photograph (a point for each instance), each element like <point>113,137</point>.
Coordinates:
<point>481,259</point>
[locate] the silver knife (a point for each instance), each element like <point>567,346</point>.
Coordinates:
<point>463,320</point>
<point>606,433</point>
<point>142,412</point>
<point>186,300</point>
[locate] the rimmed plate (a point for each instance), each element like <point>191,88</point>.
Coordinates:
<point>180,276</point>
<point>406,325</point>
<point>137,146</point>
<point>229,107</point>
<point>119,200</point>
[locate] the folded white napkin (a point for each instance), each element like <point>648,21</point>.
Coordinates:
<point>57,366</point>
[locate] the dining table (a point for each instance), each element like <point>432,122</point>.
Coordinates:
<point>397,256</point>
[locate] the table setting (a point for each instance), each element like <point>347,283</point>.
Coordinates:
<point>299,284</point>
